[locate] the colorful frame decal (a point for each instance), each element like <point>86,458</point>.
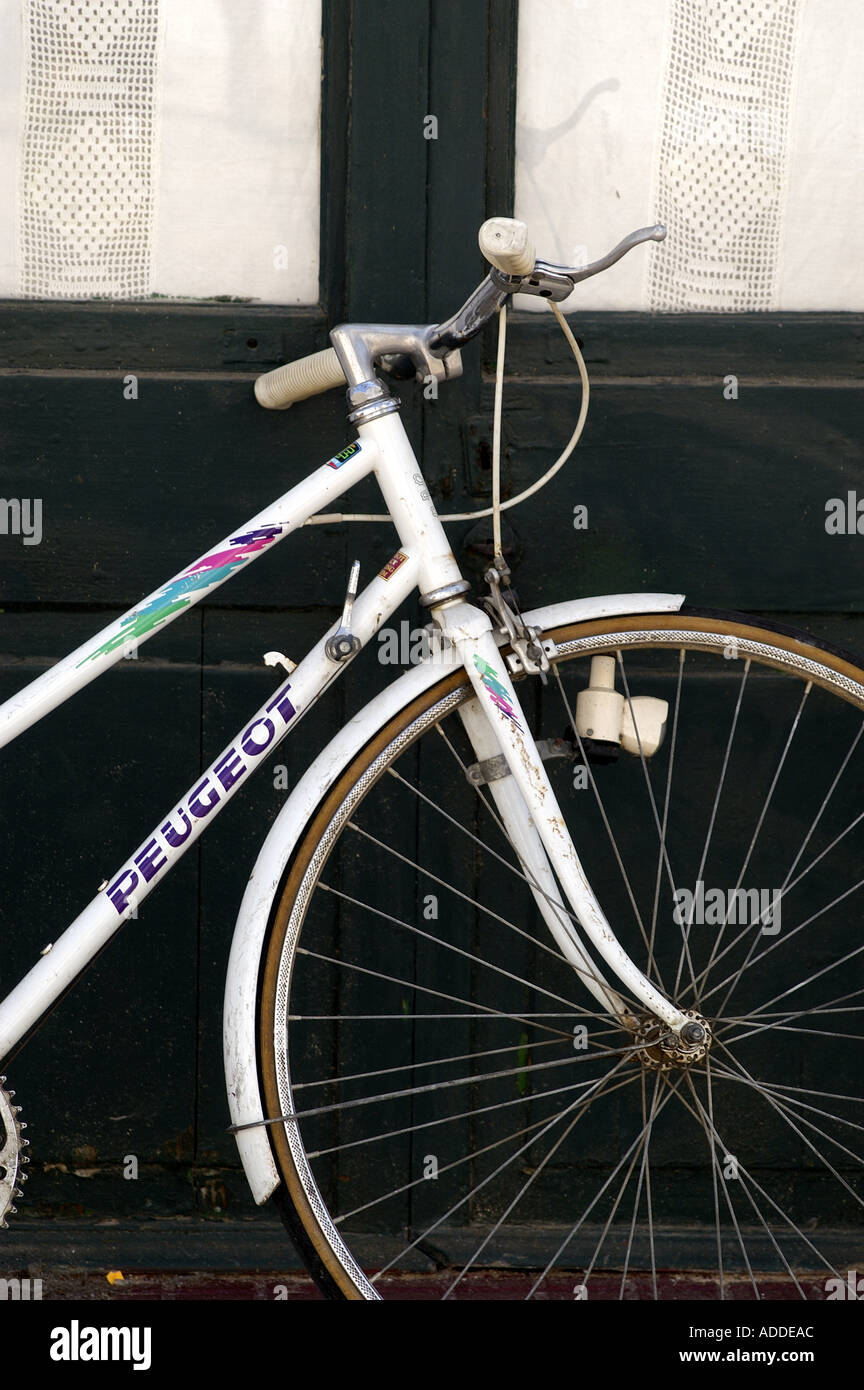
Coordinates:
<point>393,565</point>
<point>348,453</point>
<point>175,595</point>
<point>496,691</point>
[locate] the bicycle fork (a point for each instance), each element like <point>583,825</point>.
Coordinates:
<point>532,818</point>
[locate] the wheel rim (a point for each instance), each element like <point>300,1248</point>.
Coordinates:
<point>652,1148</point>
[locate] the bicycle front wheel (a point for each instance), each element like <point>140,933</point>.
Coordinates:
<point>460,1117</point>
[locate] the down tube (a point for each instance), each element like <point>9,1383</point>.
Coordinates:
<point>54,972</point>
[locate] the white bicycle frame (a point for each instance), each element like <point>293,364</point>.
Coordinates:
<point>494,722</point>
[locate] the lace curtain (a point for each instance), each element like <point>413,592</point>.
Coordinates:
<point>737,123</point>
<point>159,148</point>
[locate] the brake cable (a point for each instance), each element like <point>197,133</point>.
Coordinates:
<point>497,505</point>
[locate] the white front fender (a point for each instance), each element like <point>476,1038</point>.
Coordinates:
<point>239,1016</point>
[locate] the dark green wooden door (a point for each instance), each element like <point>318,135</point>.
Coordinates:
<point>684,488</point>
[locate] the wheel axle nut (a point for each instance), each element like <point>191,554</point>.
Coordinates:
<point>692,1033</point>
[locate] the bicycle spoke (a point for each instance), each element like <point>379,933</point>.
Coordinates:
<point>788,1028</point>
<point>587,1212</point>
<point>558,907</point>
<point>825,800</point>
<point>415,1066</point>
<point>808,1091</point>
<point>709,1131</point>
<point>803,1105</point>
<point>644,1177</point>
<point>731,1019</point>
<point>466,897</point>
<point>786,888</point>
<point>457,950</point>
<point>443,1168</point>
<point>641,1152</point>
<point>522,1069</point>
<point>782,941</point>
<point>780,1111</point>
<point>714,1175</point>
<point>660,829</point>
<point>511,1207</point>
<point>716,803</point>
<point>463,1115</point>
<point>706,1124</point>
<point>767,802</point>
<point>784,1016</point>
<point>584,1101</point>
<point>662,857</point>
<point>648,1201</point>
<point>378,1018</point>
<point>601,808</point>
<point>427,989</point>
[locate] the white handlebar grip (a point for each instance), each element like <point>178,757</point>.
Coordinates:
<point>506,244</point>
<point>308,376</point>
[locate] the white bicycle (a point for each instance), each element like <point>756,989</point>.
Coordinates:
<point>504,1011</point>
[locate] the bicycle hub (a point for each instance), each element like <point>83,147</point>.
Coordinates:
<point>660,1050</point>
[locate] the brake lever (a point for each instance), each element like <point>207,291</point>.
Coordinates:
<point>577,273</point>
<point>546,281</point>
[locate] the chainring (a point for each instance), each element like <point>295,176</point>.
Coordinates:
<point>11,1157</point>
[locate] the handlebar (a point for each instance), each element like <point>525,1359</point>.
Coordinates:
<point>296,381</point>
<point>434,350</point>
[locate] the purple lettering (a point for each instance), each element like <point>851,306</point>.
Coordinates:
<point>199,808</point>
<point>248,743</point>
<point>229,769</point>
<point>121,891</point>
<point>281,702</point>
<point>174,836</point>
<point>150,860</point>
